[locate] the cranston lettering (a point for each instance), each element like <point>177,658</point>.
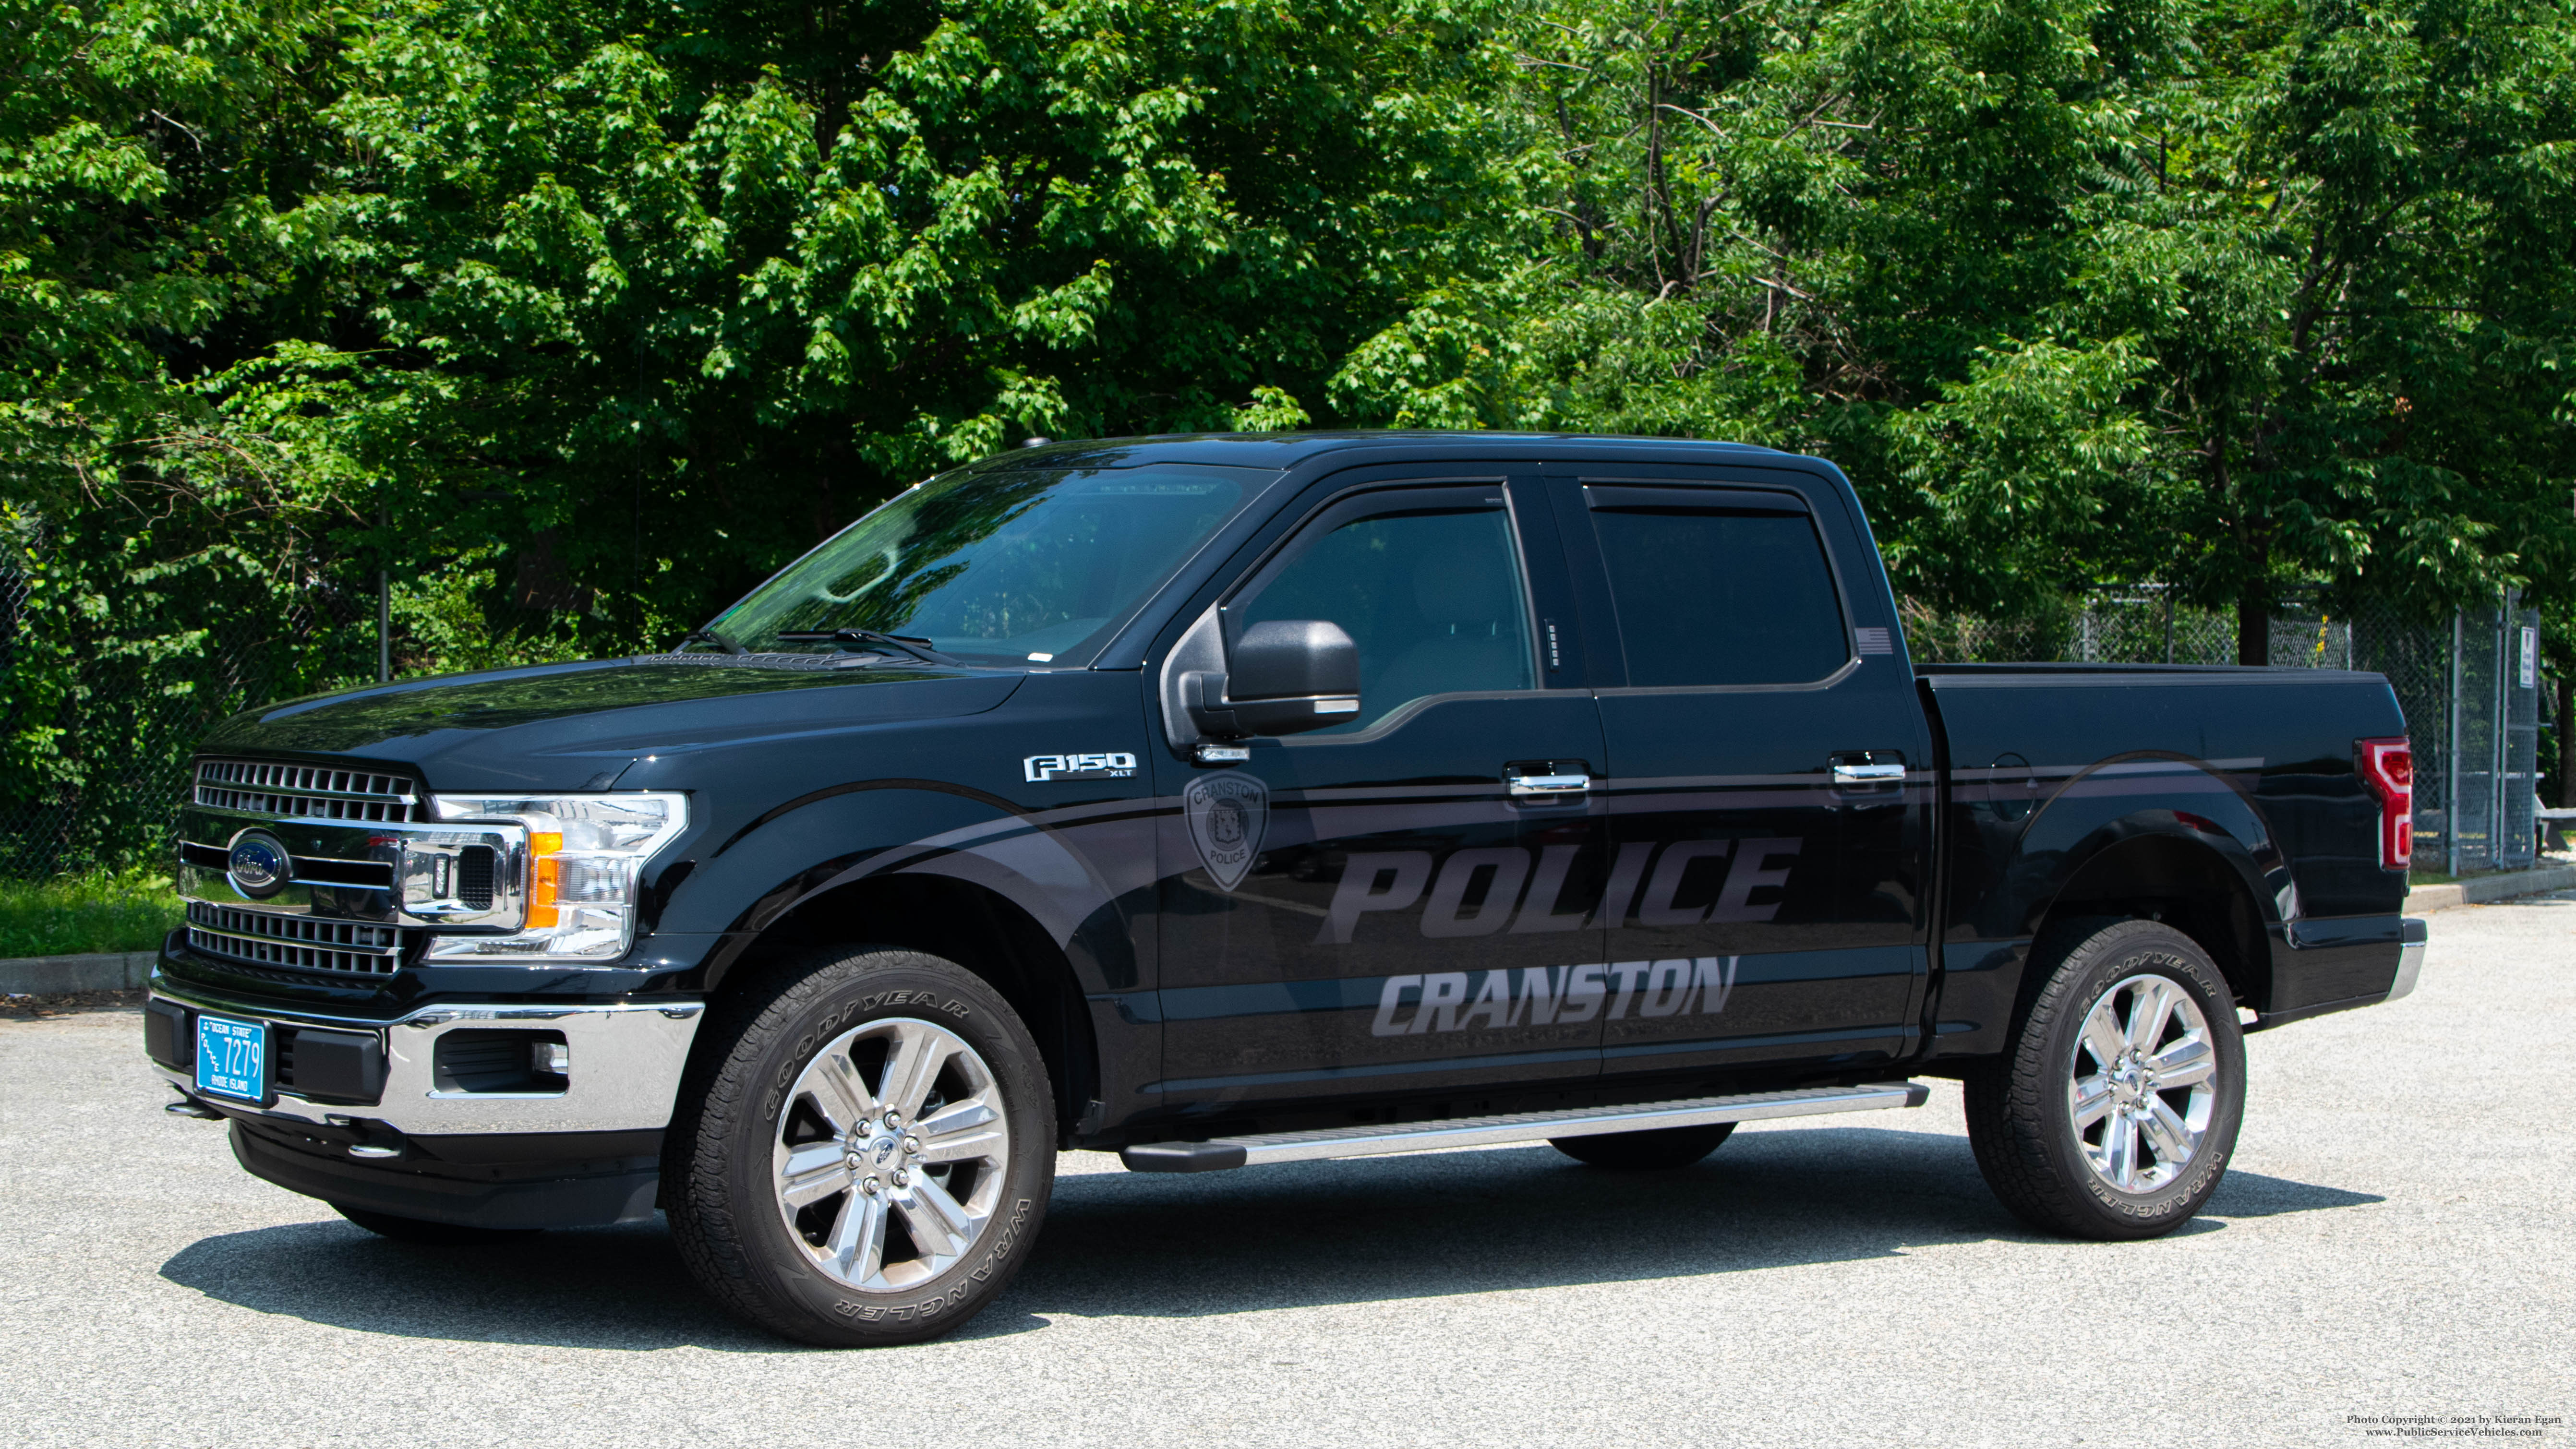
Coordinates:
<point>1553,995</point>
<point>1522,895</point>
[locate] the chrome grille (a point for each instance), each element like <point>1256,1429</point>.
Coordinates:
<point>294,943</point>
<point>311,792</point>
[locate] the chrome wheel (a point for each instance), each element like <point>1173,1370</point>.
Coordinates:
<point>2142,1084</point>
<point>890,1154</point>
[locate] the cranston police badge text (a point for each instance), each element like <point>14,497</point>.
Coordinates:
<point>1228,815</point>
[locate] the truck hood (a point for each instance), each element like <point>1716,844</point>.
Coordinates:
<point>578,726</point>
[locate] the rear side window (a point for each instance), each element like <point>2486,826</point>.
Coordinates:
<point>1732,592</point>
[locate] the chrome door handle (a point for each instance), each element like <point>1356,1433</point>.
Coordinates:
<point>1547,787</point>
<point>1867,774</point>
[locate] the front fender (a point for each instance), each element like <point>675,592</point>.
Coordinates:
<point>1068,869</point>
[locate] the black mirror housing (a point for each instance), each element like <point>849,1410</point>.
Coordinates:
<point>1287,676</point>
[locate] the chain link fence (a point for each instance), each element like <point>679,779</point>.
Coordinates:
<point>99,723</point>
<point>2469,684</point>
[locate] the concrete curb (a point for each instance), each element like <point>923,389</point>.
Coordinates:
<point>46,975</point>
<point>2500,886</point>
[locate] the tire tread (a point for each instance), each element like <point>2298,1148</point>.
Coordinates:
<point>720,1090</point>
<point>2009,1126</point>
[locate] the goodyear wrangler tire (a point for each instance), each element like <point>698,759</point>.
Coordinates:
<point>2116,1109</point>
<point>863,1152</point>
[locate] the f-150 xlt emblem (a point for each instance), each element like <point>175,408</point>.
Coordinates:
<point>1228,815</point>
<point>1099,765</point>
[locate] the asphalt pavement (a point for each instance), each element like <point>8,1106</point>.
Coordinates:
<point>2394,1240</point>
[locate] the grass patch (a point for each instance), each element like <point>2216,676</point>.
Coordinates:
<point>74,915</point>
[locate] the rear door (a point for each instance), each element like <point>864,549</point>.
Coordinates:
<point>1769,794</point>
<point>1380,906</point>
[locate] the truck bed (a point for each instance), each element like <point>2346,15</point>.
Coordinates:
<point>2055,774</point>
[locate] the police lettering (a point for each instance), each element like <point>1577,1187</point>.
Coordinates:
<point>1553,995</point>
<point>1375,882</point>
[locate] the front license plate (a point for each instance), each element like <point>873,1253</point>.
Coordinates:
<point>232,1058</point>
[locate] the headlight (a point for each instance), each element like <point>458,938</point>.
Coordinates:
<point>577,874</point>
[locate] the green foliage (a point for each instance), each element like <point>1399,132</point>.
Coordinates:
<point>576,318</point>
<point>2230,294</point>
<point>74,915</point>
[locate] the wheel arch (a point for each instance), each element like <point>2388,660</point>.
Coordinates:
<point>980,929</point>
<point>2181,881</point>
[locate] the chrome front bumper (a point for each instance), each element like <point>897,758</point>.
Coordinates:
<point>2410,958</point>
<point>623,1072</point>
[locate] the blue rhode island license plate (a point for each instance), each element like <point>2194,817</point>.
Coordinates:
<point>232,1058</point>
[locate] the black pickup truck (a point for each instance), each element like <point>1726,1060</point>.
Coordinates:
<point>1224,801</point>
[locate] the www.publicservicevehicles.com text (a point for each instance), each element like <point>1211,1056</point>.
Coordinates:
<point>2455,1426</point>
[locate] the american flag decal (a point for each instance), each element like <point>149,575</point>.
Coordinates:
<point>1874,641</point>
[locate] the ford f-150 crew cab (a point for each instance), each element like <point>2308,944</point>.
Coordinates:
<point>1225,801</point>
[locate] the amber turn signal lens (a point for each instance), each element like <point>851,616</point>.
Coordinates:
<point>545,877</point>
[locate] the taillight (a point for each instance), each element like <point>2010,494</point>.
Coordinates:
<point>2388,767</point>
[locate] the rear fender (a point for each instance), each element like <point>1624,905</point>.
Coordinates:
<point>2132,797</point>
<point>2155,835</point>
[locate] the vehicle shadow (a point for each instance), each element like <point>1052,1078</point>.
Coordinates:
<point>1357,1232</point>
<point>1306,1235</point>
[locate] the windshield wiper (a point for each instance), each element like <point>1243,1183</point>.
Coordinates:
<point>918,648</point>
<point>710,636</point>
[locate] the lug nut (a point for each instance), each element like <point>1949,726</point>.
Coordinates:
<point>912,1144</point>
<point>869,1187</point>
<point>902,1178</point>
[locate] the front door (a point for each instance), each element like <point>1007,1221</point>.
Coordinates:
<point>1769,800</point>
<point>1404,901</point>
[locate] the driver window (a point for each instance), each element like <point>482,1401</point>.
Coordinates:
<point>1432,597</point>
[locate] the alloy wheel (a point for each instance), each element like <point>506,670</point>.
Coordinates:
<point>2142,1083</point>
<point>890,1154</point>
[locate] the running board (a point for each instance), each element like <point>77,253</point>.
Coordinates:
<point>1229,1152</point>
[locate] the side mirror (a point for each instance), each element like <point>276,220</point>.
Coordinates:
<point>1287,676</point>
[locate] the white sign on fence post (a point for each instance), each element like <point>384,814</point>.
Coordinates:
<point>2530,658</point>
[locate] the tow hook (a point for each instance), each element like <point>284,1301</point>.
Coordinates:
<point>376,1140</point>
<point>188,1106</point>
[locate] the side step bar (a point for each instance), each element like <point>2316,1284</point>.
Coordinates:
<point>1229,1152</point>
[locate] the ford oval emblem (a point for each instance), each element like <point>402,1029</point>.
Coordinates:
<point>259,866</point>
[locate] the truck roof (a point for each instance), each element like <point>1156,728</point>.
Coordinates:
<point>1287,450</point>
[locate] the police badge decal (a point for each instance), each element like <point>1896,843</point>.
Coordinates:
<point>1228,815</point>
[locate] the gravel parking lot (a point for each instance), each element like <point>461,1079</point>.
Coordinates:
<point>2393,1240</point>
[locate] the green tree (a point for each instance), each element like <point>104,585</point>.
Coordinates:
<point>2233,294</point>
<point>579,318</point>
<point>697,289</point>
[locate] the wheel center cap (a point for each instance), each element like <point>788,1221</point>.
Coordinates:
<point>884,1152</point>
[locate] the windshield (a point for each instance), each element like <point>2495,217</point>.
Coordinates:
<point>1010,565</point>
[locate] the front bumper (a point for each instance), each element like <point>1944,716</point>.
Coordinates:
<point>378,1117</point>
<point>621,1073</point>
